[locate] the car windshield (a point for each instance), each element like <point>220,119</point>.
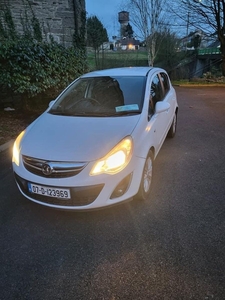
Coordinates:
<point>102,96</point>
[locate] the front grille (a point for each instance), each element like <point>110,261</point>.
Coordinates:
<point>52,169</point>
<point>80,196</point>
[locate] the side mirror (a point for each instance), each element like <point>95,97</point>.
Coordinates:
<point>161,107</point>
<point>51,103</point>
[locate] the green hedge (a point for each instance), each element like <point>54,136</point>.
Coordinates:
<point>29,67</point>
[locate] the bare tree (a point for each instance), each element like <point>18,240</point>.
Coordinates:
<point>208,15</point>
<point>147,17</point>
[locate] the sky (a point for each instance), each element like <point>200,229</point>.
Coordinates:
<point>107,12</point>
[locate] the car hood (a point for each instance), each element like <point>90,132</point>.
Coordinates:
<point>65,138</point>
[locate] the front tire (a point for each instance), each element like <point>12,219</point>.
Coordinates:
<point>146,179</point>
<point>173,127</point>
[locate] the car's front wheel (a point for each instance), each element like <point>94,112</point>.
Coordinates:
<point>173,127</point>
<point>146,180</point>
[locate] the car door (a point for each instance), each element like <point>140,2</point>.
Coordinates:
<point>159,120</point>
<point>169,97</point>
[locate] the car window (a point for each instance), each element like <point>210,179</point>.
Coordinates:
<point>102,95</point>
<point>76,91</point>
<point>106,91</point>
<point>156,90</point>
<point>165,82</point>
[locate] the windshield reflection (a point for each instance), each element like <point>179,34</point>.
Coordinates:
<point>101,96</point>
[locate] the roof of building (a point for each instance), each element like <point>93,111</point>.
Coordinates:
<point>131,41</point>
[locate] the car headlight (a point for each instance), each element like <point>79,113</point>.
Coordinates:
<point>116,160</point>
<point>16,149</point>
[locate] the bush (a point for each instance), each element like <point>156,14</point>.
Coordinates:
<point>30,68</point>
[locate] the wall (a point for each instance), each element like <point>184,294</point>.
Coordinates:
<point>59,18</point>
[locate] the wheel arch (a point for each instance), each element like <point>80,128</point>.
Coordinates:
<point>152,151</point>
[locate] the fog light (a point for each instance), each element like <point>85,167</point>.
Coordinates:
<point>122,187</point>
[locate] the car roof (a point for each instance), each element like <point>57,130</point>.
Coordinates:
<point>125,71</point>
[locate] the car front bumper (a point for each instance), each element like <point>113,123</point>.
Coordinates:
<point>87,192</point>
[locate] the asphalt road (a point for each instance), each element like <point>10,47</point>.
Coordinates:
<point>171,247</point>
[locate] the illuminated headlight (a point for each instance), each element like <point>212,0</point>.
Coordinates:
<point>16,149</point>
<point>116,160</point>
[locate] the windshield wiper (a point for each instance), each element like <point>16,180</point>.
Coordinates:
<point>59,113</point>
<point>107,114</point>
<point>94,114</point>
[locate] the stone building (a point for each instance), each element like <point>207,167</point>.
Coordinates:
<point>59,19</point>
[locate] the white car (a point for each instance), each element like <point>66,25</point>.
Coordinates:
<point>96,143</point>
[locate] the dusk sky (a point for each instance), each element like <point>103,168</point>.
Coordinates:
<point>106,12</point>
